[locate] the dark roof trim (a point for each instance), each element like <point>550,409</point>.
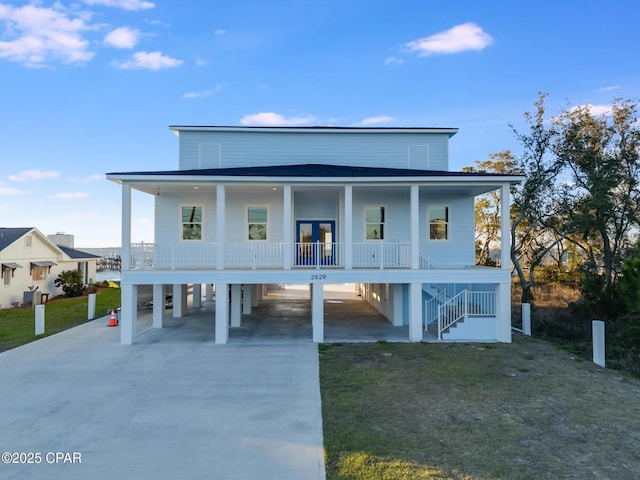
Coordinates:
<point>76,254</point>
<point>311,171</point>
<point>313,129</point>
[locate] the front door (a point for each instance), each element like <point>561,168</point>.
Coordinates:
<point>315,242</point>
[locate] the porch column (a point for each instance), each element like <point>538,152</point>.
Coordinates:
<point>125,251</point>
<point>415,312</point>
<point>505,228</point>
<point>197,295</point>
<point>222,313</point>
<point>236,304</point>
<point>220,223</point>
<point>503,312</point>
<point>209,292</point>
<point>246,299</point>
<point>255,295</point>
<point>317,311</point>
<point>128,314</point>
<point>158,305</point>
<point>179,300</point>
<point>348,227</point>
<point>287,225</point>
<point>415,227</point>
<point>396,295</point>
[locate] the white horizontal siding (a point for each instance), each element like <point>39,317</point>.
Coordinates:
<point>247,149</point>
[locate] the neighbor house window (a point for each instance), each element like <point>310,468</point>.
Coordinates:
<point>438,223</point>
<point>7,273</point>
<point>258,222</point>
<point>39,273</point>
<point>374,218</point>
<point>191,222</point>
<point>27,241</point>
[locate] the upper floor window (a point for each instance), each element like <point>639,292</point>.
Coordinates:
<point>374,218</point>
<point>191,221</point>
<point>438,223</point>
<point>28,241</point>
<point>257,222</point>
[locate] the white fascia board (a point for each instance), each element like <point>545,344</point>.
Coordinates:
<point>176,129</point>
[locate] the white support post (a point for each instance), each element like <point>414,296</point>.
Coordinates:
<point>236,305</point>
<point>179,300</point>
<point>247,303</point>
<point>255,295</point>
<point>505,228</point>
<point>396,295</point>
<point>196,301</point>
<point>503,312</point>
<point>287,227</point>
<point>348,227</point>
<point>597,327</point>
<point>222,313</point>
<point>209,292</point>
<point>415,312</point>
<point>415,227</point>
<point>39,326</point>
<point>128,314</point>
<point>526,319</point>
<point>220,224</point>
<point>158,305</point>
<point>317,311</point>
<point>125,251</point>
<point>91,307</point>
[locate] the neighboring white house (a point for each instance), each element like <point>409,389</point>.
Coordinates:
<point>320,205</point>
<point>28,259</point>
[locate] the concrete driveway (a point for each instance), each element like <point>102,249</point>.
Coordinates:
<point>78,405</point>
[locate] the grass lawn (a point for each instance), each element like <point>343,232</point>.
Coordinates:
<point>17,326</point>
<point>525,410</point>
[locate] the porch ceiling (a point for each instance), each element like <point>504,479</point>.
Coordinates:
<point>461,189</point>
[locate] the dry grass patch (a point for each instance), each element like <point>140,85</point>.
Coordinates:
<point>502,411</point>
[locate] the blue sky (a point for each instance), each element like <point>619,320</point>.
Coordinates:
<point>91,86</point>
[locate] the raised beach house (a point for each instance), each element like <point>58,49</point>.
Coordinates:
<point>377,207</point>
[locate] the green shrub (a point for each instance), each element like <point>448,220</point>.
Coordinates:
<point>71,282</point>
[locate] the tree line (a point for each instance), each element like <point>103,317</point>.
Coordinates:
<point>579,206</point>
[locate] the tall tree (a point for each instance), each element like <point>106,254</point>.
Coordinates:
<point>534,214</point>
<point>601,153</point>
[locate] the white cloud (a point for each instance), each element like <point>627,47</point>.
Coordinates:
<point>272,119</point>
<point>467,36</point>
<point>595,109</point>
<point>33,175</point>
<point>148,61</point>
<point>376,120</point>
<point>70,195</point>
<point>124,4</point>
<point>123,37</point>
<point>220,31</point>
<point>37,34</point>
<point>609,88</point>
<point>81,216</point>
<point>11,191</point>
<point>205,93</point>
<point>393,61</point>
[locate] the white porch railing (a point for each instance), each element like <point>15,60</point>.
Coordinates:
<point>200,255</point>
<point>382,255</point>
<point>254,255</point>
<point>465,304</point>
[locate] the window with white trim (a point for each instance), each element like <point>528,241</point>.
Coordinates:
<point>257,222</point>
<point>438,217</point>
<point>7,273</point>
<point>28,241</point>
<point>374,218</point>
<point>191,222</point>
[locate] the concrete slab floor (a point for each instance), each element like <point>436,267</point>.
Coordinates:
<point>283,316</point>
<point>159,410</point>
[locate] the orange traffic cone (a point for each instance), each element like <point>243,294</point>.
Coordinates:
<point>112,319</point>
